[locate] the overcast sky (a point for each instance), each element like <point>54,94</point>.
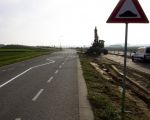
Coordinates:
<point>66,22</point>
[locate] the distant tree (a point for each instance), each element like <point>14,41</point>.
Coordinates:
<point>97,46</point>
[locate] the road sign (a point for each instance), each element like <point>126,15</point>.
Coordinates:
<point>128,11</point>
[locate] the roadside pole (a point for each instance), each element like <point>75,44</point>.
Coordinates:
<point>124,75</point>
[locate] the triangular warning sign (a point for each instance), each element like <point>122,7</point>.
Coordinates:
<point>128,11</point>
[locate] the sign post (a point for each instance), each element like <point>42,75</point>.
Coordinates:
<point>124,74</point>
<point>127,11</point>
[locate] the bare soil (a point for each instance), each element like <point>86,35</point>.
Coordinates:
<point>133,93</point>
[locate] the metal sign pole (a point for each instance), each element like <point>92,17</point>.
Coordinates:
<point>125,73</point>
<point>120,15</point>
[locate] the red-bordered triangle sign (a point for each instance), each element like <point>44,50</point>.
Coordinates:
<point>128,11</point>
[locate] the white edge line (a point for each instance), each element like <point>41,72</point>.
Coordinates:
<point>14,78</point>
<point>43,64</point>
<point>37,95</point>
<point>51,78</point>
<point>2,85</point>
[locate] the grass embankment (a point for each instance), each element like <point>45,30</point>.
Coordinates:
<point>9,55</point>
<point>105,97</point>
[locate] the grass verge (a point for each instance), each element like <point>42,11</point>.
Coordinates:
<point>104,96</point>
<point>12,55</point>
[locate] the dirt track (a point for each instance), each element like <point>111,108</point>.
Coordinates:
<point>144,67</point>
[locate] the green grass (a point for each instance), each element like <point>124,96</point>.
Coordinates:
<point>12,55</point>
<point>105,97</point>
<point>97,87</point>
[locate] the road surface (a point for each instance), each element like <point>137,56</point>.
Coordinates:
<point>43,88</point>
<point>144,67</point>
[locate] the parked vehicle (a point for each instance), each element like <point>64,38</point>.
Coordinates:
<point>142,53</point>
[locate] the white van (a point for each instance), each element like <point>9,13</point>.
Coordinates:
<point>142,53</point>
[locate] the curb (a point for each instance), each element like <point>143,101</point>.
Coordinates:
<point>85,111</point>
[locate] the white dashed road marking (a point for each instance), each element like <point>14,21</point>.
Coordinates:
<point>37,95</point>
<point>51,78</point>
<point>18,119</point>
<point>56,71</point>
<point>60,66</point>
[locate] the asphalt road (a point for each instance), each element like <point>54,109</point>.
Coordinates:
<point>43,88</point>
<point>144,67</point>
